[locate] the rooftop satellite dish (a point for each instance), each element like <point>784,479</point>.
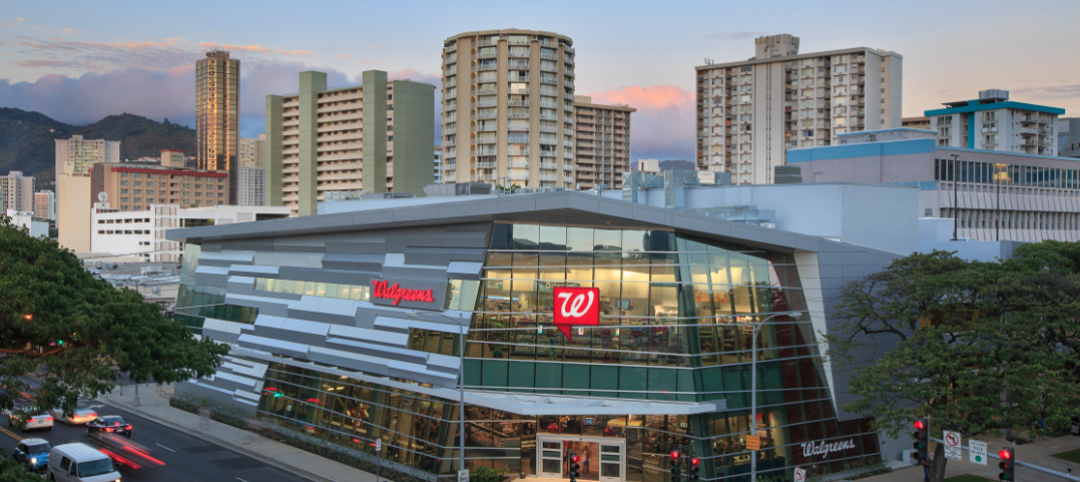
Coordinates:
<point>102,197</point>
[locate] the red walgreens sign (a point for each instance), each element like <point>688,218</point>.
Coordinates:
<point>383,289</point>
<point>576,306</point>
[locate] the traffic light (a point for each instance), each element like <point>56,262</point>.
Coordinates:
<point>922,439</point>
<point>675,471</point>
<point>694,468</point>
<point>1007,464</point>
<point>574,467</point>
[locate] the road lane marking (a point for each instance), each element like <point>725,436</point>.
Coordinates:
<point>10,433</point>
<point>241,480</point>
<point>164,447</point>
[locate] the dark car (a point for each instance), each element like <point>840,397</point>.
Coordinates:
<point>108,424</point>
<point>34,452</point>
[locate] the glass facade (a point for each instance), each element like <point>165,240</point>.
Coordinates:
<point>195,303</point>
<point>676,324</point>
<point>217,115</point>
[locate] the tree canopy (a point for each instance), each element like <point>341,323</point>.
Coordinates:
<point>77,333</point>
<point>976,347</point>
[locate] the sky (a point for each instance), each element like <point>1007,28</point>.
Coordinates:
<point>80,61</point>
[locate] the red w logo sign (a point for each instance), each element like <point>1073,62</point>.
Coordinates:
<point>576,306</point>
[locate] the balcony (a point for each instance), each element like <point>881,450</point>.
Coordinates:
<point>450,131</point>
<point>452,48</point>
<point>486,55</point>
<point>486,151</point>
<point>547,80</point>
<point>548,165</point>
<point>519,64</point>
<point>512,151</point>
<point>568,84</point>
<point>517,103</point>
<point>486,165</point>
<point>450,108</point>
<point>518,176</point>
<point>568,61</point>
<point>487,91</point>
<point>491,127</point>
<point>484,43</point>
<point>524,54</point>
<point>483,116</point>
<point>513,78</point>
<point>568,96</point>
<point>568,132</point>
<point>548,116</point>
<point>517,115</point>
<point>518,165</point>
<point>487,103</point>
<point>548,129</point>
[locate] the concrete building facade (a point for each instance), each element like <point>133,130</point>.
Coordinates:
<point>994,123</point>
<point>347,139</point>
<point>84,153</point>
<point>1068,130</point>
<point>508,108</point>
<point>17,192</point>
<point>602,139</point>
<point>749,113</point>
<point>252,186</point>
<point>217,115</point>
<point>1000,196</point>
<point>133,187</point>
<point>141,234</point>
<point>251,151</point>
<point>438,165</point>
<point>73,204</point>
<point>45,205</point>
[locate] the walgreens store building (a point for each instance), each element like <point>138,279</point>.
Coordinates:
<point>611,329</point>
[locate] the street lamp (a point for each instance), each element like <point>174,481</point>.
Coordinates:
<point>795,315</point>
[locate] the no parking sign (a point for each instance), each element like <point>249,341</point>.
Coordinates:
<point>800,475</point>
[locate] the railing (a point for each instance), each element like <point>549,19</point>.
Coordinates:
<point>487,128</point>
<point>569,72</point>
<point>452,83</point>
<point>548,116</point>
<point>487,103</point>
<point>568,96</point>
<point>486,55</point>
<point>548,56</point>
<point>451,60</point>
<point>452,48</point>
<point>486,165</point>
<point>548,165</point>
<point>515,54</point>
<point>550,105</point>
<point>452,71</point>
<point>518,164</point>
<point>484,66</point>
<point>483,43</point>
<point>545,80</point>
<point>519,176</point>
<point>450,107</point>
<point>517,103</point>
<point>568,84</point>
<point>568,61</point>
<point>549,177</point>
<point>515,152</point>
<point>568,132</point>
<point>519,91</point>
<point>517,115</point>
<point>487,91</point>
<point>518,128</point>
<point>511,78</point>
<point>486,151</point>
<point>549,129</point>
<point>448,178</point>
<point>519,64</point>
<point>483,116</point>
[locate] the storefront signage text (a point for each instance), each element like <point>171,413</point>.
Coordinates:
<point>576,306</point>
<point>384,290</point>
<point>823,448</point>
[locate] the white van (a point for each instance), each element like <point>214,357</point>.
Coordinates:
<point>77,462</point>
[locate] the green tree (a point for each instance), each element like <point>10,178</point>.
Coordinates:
<point>12,471</point>
<point>976,347</point>
<point>77,332</point>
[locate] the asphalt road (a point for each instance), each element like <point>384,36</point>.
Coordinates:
<point>159,452</point>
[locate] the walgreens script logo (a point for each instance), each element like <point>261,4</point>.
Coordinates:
<point>383,289</point>
<point>576,306</point>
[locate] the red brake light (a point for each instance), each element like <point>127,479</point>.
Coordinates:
<point>48,419</point>
<point>129,427</point>
<point>108,429</point>
<point>30,420</point>
<point>116,424</point>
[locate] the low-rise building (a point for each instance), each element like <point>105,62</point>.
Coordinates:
<point>994,123</point>
<point>25,219</point>
<point>993,196</point>
<point>140,235</point>
<point>133,187</point>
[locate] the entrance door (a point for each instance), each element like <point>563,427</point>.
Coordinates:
<point>612,461</point>
<point>551,459</point>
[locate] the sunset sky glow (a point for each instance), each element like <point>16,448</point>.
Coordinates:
<point>79,61</point>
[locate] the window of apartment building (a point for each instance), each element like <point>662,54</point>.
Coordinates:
<point>123,174</point>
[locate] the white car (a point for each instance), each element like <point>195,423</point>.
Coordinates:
<point>34,421</point>
<point>81,416</point>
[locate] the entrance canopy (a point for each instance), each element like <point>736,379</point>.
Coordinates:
<point>555,405</point>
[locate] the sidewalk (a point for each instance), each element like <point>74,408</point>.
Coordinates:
<point>1036,453</point>
<point>155,406</point>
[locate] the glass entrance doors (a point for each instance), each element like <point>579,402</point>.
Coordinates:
<point>611,461</point>
<point>551,458</point>
<point>602,459</point>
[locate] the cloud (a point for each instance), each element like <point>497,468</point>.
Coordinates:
<point>733,35</point>
<point>373,45</point>
<point>369,62</point>
<point>68,31</point>
<point>416,76</point>
<point>663,126</point>
<point>93,56</point>
<point>344,56</point>
<point>12,24</point>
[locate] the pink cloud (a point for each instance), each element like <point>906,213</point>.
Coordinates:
<point>663,126</point>
<point>416,76</point>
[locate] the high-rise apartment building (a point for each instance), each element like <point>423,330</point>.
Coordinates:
<point>16,192</point>
<point>438,165</point>
<point>994,123</point>
<point>251,151</point>
<point>73,206</point>
<point>750,112</point>
<point>85,153</point>
<point>373,137</point>
<point>133,187</point>
<point>251,186</point>
<point>217,115</point>
<point>45,205</point>
<point>508,97</point>
<point>603,143</point>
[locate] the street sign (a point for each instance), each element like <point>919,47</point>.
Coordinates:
<point>463,475</point>
<point>753,442</point>
<point>800,475</point>
<point>378,445</point>
<point>952,445</point>
<point>977,453</point>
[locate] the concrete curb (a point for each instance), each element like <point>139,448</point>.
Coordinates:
<point>297,471</point>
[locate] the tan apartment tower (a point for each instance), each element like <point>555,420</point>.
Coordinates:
<point>749,113</point>
<point>508,108</point>
<point>603,143</point>
<point>375,137</point>
<point>217,115</point>
<point>16,192</point>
